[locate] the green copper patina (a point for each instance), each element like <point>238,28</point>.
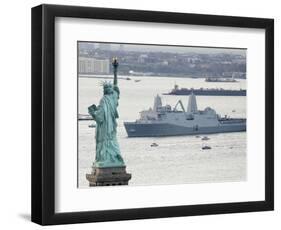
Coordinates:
<point>105,114</point>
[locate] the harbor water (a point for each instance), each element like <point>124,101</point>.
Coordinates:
<point>176,160</point>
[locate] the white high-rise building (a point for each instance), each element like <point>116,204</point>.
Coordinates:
<point>93,65</point>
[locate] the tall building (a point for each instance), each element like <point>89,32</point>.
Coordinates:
<point>93,65</point>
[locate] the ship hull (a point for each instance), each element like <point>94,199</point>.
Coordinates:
<point>209,92</point>
<point>135,129</point>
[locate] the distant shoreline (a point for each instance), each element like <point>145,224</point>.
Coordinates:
<point>125,77</point>
<point>128,77</point>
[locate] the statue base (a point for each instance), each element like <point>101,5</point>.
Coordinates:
<point>108,176</point>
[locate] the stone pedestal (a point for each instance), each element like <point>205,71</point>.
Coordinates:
<point>108,176</point>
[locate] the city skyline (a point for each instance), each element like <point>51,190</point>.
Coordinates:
<point>164,48</point>
<point>160,60</point>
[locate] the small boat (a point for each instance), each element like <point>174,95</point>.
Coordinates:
<point>154,145</point>
<point>137,80</point>
<point>128,78</point>
<point>206,147</point>
<point>92,126</point>
<point>205,138</point>
<point>197,136</point>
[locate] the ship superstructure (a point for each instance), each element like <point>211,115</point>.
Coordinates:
<point>163,120</point>
<point>207,91</point>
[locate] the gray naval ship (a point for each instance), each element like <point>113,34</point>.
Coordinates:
<point>165,121</point>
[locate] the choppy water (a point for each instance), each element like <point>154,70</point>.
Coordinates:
<point>176,159</point>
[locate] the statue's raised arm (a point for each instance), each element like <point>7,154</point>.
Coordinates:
<point>115,66</point>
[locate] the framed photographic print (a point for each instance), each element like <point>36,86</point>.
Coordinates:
<point>142,114</point>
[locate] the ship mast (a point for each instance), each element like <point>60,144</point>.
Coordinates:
<point>192,104</point>
<point>157,102</point>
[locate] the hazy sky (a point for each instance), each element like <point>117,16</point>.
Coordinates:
<point>172,49</point>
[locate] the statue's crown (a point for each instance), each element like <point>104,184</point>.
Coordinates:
<point>106,84</point>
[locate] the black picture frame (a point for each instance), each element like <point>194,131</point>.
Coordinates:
<point>43,114</point>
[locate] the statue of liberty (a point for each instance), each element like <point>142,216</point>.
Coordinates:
<point>105,114</point>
